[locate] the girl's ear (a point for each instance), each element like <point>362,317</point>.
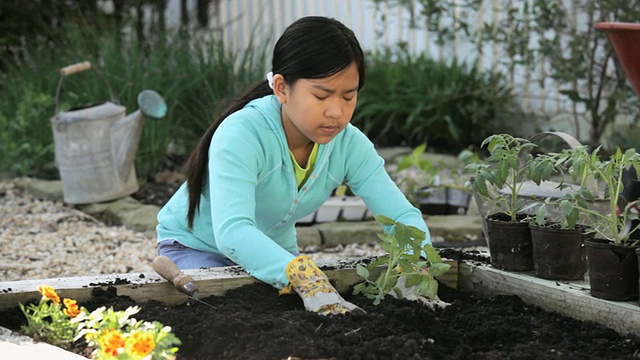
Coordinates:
<point>280,88</point>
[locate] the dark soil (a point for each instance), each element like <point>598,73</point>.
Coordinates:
<point>253,322</point>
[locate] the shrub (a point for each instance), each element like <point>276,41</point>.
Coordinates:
<point>195,76</point>
<point>409,100</point>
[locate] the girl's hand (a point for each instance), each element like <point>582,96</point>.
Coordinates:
<point>318,295</point>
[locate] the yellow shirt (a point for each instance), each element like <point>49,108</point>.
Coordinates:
<point>303,173</point>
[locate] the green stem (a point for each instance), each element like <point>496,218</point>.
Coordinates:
<point>390,267</point>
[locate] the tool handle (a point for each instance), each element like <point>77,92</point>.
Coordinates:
<point>166,268</point>
<point>75,68</point>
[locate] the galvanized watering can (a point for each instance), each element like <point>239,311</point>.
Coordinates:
<point>95,146</point>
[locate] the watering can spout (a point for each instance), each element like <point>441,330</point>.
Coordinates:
<point>126,132</point>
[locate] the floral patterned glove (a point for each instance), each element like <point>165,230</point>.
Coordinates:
<point>318,295</point>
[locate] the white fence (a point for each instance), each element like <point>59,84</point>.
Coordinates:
<point>236,21</point>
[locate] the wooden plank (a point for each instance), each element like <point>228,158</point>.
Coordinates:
<point>145,286</point>
<point>450,278</point>
<point>569,298</point>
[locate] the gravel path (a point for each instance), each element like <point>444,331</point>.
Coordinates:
<point>43,239</point>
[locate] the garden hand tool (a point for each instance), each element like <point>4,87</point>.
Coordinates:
<point>166,268</point>
<point>318,295</point>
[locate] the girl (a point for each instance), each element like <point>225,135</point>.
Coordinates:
<point>273,158</point>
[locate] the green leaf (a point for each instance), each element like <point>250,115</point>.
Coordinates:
<point>398,292</point>
<point>362,271</point>
<point>432,253</point>
<point>384,220</point>
<point>438,269</point>
<point>429,289</point>
<point>413,280</point>
<point>358,288</point>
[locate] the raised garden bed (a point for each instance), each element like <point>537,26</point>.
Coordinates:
<point>485,320</point>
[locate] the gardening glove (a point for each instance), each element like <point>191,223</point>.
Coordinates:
<point>318,295</point>
<point>412,293</point>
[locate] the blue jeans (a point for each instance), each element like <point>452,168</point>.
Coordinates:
<point>188,258</point>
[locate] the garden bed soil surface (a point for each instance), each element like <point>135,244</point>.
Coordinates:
<point>253,322</point>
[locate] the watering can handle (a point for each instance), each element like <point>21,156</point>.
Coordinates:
<point>592,184</point>
<point>75,68</point>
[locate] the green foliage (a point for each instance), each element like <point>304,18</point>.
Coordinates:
<point>610,224</point>
<point>422,173</point>
<point>111,334</point>
<point>195,76</point>
<point>540,34</point>
<point>47,321</point>
<point>411,100</point>
<point>587,169</point>
<point>26,138</point>
<point>416,160</point>
<point>415,171</point>
<point>508,166</point>
<point>564,211</point>
<point>404,250</point>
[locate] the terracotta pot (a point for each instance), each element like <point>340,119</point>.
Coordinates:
<point>559,254</point>
<point>510,243</point>
<point>613,270</point>
<point>638,253</point>
<point>625,37</point>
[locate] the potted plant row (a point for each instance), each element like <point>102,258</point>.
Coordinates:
<point>498,182</point>
<point>611,254</point>
<point>599,237</point>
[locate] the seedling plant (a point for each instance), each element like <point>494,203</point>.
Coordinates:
<point>612,224</point>
<point>509,165</point>
<point>406,257</point>
<point>566,209</point>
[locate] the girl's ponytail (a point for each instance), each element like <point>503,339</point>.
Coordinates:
<point>197,161</point>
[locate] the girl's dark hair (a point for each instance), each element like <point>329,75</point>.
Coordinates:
<point>312,47</point>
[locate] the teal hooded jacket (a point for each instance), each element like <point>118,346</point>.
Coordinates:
<point>251,200</point>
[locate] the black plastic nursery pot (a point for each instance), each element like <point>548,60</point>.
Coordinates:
<point>444,200</point>
<point>613,270</point>
<point>559,254</point>
<point>433,200</point>
<point>510,244</point>
<point>458,201</point>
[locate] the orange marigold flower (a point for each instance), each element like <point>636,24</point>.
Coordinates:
<point>140,343</point>
<point>111,341</point>
<point>71,308</point>
<point>48,292</point>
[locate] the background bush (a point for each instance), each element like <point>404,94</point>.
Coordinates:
<point>196,77</point>
<point>410,100</point>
